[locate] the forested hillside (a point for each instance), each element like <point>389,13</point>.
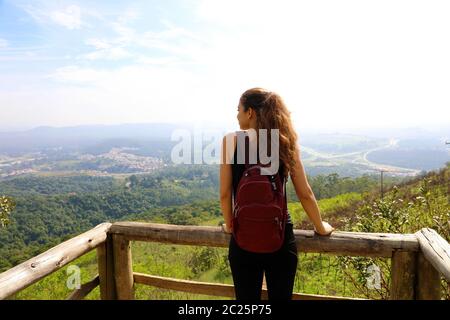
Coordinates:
<point>51,209</point>
<point>58,208</point>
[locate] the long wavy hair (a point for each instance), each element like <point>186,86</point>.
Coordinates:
<point>272,113</point>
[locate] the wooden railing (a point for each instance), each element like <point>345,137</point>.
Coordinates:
<point>418,260</point>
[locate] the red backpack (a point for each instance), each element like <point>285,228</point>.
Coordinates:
<point>260,210</point>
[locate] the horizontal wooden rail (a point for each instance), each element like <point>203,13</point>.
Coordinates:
<point>214,289</point>
<point>31,271</point>
<point>436,250</point>
<point>339,243</point>
<point>85,289</point>
<point>419,259</point>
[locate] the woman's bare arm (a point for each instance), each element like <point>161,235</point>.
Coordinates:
<point>226,181</point>
<point>307,198</point>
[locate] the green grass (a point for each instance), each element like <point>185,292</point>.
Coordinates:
<point>329,208</point>
<point>54,287</point>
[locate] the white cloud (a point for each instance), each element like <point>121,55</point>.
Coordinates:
<point>114,48</point>
<point>77,75</point>
<point>249,14</point>
<point>108,54</point>
<point>3,43</point>
<point>178,44</point>
<point>158,61</point>
<point>98,43</point>
<point>130,15</point>
<point>70,17</point>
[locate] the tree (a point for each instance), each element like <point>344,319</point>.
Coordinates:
<point>7,205</point>
<point>133,181</point>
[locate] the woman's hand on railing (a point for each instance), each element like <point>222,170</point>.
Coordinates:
<point>325,230</point>
<point>226,228</point>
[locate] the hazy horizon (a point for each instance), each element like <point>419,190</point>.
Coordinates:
<point>430,128</point>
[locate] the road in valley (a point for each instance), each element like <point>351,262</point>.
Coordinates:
<point>360,157</point>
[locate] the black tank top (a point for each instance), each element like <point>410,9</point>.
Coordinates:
<point>239,168</point>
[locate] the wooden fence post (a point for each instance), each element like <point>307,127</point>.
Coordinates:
<point>434,263</point>
<point>123,268</point>
<point>105,260</point>
<point>403,274</point>
<point>428,284</point>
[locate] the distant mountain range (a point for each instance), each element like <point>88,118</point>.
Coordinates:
<point>405,151</point>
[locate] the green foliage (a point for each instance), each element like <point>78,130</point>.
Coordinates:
<point>402,210</point>
<point>331,185</point>
<point>331,208</point>
<point>57,208</point>
<point>321,274</point>
<point>52,185</point>
<point>7,205</point>
<point>223,268</point>
<point>203,259</point>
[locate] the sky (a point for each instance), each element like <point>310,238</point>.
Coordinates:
<point>336,64</point>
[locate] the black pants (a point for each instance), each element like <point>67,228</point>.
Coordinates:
<point>279,267</point>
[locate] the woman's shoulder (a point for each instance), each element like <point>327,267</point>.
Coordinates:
<point>229,139</point>
<point>235,133</point>
<point>229,142</point>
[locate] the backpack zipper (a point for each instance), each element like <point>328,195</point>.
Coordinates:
<point>275,219</point>
<point>251,182</point>
<point>263,205</point>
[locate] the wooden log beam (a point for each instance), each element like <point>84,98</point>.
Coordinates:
<point>123,268</point>
<point>31,271</point>
<point>84,290</point>
<point>339,243</point>
<point>428,284</point>
<point>215,289</point>
<point>436,250</point>
<point>105,260</point>
<point>403,275</point>
<point>176,234</point>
